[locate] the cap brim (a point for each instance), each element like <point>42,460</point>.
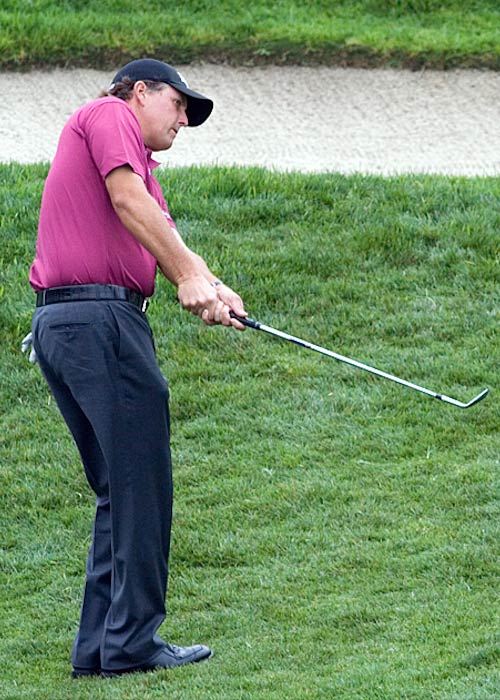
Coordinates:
<point>199,107</point>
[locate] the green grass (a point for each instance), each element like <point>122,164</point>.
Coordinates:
<point>335,535</point>
<point>105,33</point>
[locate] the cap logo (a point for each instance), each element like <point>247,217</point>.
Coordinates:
<point>183,79</point>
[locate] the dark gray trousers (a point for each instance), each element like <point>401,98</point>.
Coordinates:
<point>99,361</point>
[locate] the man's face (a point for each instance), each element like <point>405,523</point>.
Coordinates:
<point>163,115</point>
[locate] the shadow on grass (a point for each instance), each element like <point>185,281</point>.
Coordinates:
<point>484,657</point>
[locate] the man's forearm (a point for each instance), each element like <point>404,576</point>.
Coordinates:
<point>144,218</point>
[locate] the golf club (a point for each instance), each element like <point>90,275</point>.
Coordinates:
<point>251,323</point>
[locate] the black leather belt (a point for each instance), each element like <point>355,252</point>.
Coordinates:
<point>91,292</point>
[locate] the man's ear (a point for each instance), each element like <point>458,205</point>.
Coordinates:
<point>140,90</point>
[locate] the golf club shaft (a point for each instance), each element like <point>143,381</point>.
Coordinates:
<point>256,325</point>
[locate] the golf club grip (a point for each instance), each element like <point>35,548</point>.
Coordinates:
<point>249,322</point>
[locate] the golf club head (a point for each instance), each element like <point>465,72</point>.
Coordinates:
<point>476,399</point>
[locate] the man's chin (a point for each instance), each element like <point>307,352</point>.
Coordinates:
<point>157,147</point>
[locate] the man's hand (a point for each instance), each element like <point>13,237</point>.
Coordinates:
<point>211,304</point>
<point>232,302</point>
<point>197,295</point>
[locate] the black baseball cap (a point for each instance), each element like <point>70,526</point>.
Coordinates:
<point>199,107</point>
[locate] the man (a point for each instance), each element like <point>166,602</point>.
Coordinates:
<point>104,228</point>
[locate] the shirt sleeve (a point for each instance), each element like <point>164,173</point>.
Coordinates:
<point>114,137</point>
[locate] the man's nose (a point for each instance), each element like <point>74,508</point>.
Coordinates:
<point>183,120</point>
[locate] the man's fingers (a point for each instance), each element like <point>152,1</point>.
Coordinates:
<point>196,295</point>
<point>212,305</point>
<point>205,317</point>
<point>214,313</point>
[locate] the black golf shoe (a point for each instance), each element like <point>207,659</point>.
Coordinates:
<point>170,656</point>
<point>85,672</point>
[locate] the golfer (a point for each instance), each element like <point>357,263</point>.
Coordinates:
<point>104,228</point>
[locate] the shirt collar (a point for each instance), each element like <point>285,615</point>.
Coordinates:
<point>151,162</point>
